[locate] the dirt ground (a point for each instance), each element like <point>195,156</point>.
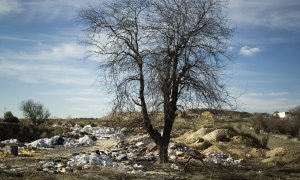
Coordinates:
<point>25,168</point>
<point>279,166</point>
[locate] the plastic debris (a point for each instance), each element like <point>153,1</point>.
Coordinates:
<point>87,160</point>
<point>10,141</point>
<point>98,132</point>
<point>45,142</point>
<point>222,159</point>
<point>83,141</point>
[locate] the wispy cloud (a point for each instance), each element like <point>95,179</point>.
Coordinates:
<point>14,38</point>
<point>274,14</point>
<point>47,65</point>
<point>54,9</point>
<point>248,51</point>
<point>9,6</point>
<point>269,94</point>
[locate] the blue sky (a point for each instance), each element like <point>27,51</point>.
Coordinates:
<point>41,57</point>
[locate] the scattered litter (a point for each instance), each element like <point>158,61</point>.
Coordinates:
<point>174,166</point>
<point>10,141</point>
<point>88,160</point>
<point>222,159</point>
<point>138,144</point>
<point>98,132</point>
<point>121,157</point>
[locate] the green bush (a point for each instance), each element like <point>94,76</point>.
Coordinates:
<point>9,117</point>
<point>275,125</point>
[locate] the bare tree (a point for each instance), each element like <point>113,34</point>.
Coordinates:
<point>295,112</point>
<point>160,55</point>
<point>34,111</point>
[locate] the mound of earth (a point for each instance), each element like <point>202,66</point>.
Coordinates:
<point>246,140</point>
<point>219,135</point>
<point>281,156</point>
<point>206,134</point>
<point>192,137</point>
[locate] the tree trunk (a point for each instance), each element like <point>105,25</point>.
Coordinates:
<point>163,150</point>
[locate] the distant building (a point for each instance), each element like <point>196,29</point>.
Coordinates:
<point>282,114</point>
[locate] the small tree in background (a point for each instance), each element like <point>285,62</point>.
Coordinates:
<point>295,112</point>
<point>34,111</point>
<point>9,117</point>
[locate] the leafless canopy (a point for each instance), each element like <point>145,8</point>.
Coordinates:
<point>161,54</point>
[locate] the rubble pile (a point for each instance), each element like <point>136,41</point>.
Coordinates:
<point>136,148</point>
<point>222,159</point>
<point>46,142</point>
<point>83,141</point>
<point>85,135</point>
<point>98,132</point>
<point>59,140</point>
<point>10,141</point>
<point>88,160</point>
<point>127,153</point>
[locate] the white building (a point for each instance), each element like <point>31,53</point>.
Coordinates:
<point>282,114</point>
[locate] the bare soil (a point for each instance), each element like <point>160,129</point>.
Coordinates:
<point>282,166</point>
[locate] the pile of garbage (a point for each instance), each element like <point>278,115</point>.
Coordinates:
<point>127,152</point>
<point>86,161</point>
<point>10,142</point>
<point>85,133</point>
<point>59,140</point>
<point>98,132</point>
<point>221,159</point>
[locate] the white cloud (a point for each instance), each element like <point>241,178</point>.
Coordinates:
<point>274,14</point>
<point>9,6</point>
<point>47,65</point>
<point>269,94</point>
<point>248,51</point>
<point>54,9</point>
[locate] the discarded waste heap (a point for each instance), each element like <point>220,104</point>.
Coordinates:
<point>130,153</point>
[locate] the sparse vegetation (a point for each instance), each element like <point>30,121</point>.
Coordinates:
<point>9,117</point>
<point>34,111</point>
<point>275,125</point>
<point>240,142</point>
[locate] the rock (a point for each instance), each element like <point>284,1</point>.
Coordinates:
<point>121,157</point>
